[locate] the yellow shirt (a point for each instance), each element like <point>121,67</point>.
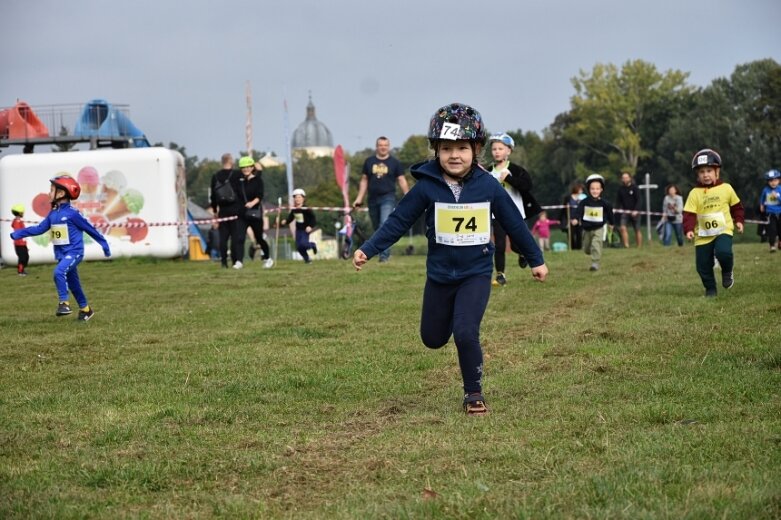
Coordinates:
<point>712,207</point>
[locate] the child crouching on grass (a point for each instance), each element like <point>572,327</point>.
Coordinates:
<point>66,226</point>
<point>711,212</point>
<point>457,197</point>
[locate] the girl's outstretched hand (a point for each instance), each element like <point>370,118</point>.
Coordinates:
<point>359,258</point>
<point>540,272</point>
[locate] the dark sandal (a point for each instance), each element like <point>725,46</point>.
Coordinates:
<point>474,404</point>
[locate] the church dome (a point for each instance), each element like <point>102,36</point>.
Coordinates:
<point>312,133</point>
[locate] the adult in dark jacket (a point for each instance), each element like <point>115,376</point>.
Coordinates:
<point>457,198</point>
<point>252,191</point>
<point>518,183</point>
<point>628,205</point>
<point>225,207</point>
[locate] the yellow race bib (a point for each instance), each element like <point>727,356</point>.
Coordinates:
<point>711,224</point>
<point>462,224</point>
<point>59,234</point>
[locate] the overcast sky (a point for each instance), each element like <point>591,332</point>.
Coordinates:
<point>373,68</point>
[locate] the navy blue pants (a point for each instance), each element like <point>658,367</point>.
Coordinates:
<point>303,244</point>
<point>457,309</point>
<point>721,249</point>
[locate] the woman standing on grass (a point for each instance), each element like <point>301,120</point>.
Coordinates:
<point>458,198</point>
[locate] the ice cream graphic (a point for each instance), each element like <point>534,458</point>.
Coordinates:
<point>114,183</point>
<point>135,229</point>
<point>90,182</point>
<point>130,201</point>
<point>42,204</point>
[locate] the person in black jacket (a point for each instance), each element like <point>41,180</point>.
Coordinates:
<point>628,204</point>
<point>225,203</point>
<point>252,191</point>
<point>518,184</point>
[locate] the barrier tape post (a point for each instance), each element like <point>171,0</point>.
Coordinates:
<point>276,225</point>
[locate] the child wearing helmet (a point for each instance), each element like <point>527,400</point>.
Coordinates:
<point>305,223</point>
<point>518,183</point>
<point>457,198</point>
<point>66,226</point>
<point>20,245</point>
<point>770,204</point>
<point>711,213</point>
<point>592,214</point>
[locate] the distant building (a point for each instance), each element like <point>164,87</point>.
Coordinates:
<point>312,136</point>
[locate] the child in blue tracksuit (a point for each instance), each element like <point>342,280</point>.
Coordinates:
<point>770,203</point>
<point>66,226</point>
<point>457,197</point>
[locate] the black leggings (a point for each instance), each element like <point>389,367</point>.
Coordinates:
<point>457,309</point>
<point>773,231</point>
<point>24,257</point>
<point>257,229</point>
<point>500,239</point>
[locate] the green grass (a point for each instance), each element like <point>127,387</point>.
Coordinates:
<point>304,392</point>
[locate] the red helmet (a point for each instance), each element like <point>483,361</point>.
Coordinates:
<point>68,184</point>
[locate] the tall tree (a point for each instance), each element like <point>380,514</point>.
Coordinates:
<point>611,105</point>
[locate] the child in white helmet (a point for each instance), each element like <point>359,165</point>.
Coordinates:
<point>305,223</point>
<point>592,214</point>
<point>518,183</point>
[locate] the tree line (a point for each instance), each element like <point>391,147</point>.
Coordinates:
<point>631,117</point>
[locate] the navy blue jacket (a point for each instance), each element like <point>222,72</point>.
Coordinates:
<point>445,263</point>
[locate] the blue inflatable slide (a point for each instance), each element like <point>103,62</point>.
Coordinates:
<point>102,120</point>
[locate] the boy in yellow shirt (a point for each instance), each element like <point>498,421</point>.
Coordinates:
<point>711,213</point>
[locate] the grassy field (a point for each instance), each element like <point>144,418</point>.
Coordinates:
<point>304,392</point>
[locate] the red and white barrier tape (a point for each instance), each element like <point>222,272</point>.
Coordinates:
<point>287,208</point>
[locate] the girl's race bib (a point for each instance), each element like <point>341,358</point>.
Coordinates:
<point>462,224</point>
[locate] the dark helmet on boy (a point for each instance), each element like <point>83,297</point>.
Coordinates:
<point>595,177</point>
<point>502,138</point>
<point>772,174</point>
<point>706,157</point>
<point>456,121</point>
<point>68,184</point>
<point>246,161</point>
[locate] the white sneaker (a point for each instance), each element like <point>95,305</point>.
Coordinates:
<point>238,265</point>
<point>269,263</point>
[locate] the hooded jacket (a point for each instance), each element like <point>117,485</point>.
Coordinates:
<point>447,263</point>
<point>520,188</point>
